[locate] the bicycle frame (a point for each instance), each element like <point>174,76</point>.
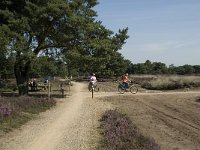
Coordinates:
<point>94,85</point>
<point>122,85</point>
<point>132,88</point>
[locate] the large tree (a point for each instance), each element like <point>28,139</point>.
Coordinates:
<point>38,26</point>
<point>101,53</point>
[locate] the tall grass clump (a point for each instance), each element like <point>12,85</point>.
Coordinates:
<point>16,111</point>
<point>119,133</point>
<point>172,83</point>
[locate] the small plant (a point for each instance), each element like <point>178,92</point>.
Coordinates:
<point>6,110</point>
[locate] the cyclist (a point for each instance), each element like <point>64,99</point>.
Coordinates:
<point>93,80</point>
<point>125,80</point>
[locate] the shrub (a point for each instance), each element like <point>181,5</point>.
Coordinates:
<point>119,133</point>
<point>16,111</point>
<point>172,83</point>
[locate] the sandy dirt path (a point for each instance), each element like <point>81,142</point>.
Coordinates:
<point>71,125</point>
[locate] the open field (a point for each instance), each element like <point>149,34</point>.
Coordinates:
<point>171,118</point>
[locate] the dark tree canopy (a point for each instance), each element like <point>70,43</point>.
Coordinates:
<point>62,29</point>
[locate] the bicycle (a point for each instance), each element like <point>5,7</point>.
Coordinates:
<point>132,88</point>
<point>92,87</point>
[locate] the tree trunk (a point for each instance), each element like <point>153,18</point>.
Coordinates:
<point>22,68</point>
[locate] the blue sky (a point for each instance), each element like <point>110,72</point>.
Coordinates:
<point>166,31</point>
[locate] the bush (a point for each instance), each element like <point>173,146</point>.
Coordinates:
<point>16,111</point>
<point>119,133</point>
<point>172,83</point>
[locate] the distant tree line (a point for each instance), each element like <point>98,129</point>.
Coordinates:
<point>45,66</point>
<point>149,67</point>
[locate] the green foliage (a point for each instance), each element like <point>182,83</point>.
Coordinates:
<point>6,57</point>
<point>185,69</point>
<point>101,55</point>
<point>160,68</point>
<point>53,28</point>
<point>61,69</point>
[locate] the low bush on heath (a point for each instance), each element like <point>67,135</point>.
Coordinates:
<point>172,83</point>
<point>15,111</point>
<point>119,133</point>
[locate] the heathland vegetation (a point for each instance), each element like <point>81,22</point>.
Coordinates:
<point>40,39</point>
<point>16,111</point>
<point>120,133</point>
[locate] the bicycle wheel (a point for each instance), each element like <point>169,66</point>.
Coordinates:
<point>121,89</point>
<point>92,91</point>
<point>133,89</point>
<point>96,89</point>
<point>90,87</point>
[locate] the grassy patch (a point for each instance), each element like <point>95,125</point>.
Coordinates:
<point>119,133</point>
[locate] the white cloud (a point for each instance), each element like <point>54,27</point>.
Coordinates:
<point>160,47</point>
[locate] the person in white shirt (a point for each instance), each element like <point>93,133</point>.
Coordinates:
<point>93,80</point>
